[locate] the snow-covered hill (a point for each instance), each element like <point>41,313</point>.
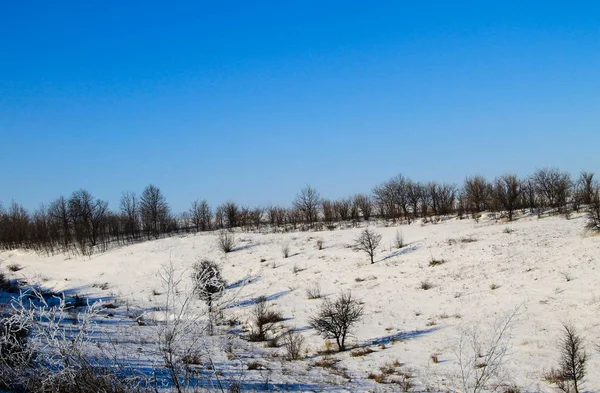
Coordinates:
<point>546,269</point>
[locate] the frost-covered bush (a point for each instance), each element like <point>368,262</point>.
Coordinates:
<point>208,281</point>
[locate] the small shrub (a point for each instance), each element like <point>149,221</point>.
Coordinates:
<point>264,319</point>
<point>225,241</point>
<point>468,239</point>
<point>296,269</point>
<point>436,262</point>
<point>14,267</point>
<point>493,287</point>
<point>293,342</point>
<point>193,358</point>
<point>361,352</point>
<point>426,285</point>
<point>399,239</point>
<point>508,230</point>
<point>254,366</point>
<point>79,301</point>
<point>434,358</point>
<point>327,362</point>
<point>14,335</point>
<point>313,291</point>
<point>285,250</point>
<point>319,244</point>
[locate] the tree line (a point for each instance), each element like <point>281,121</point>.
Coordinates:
<point>83,223</point>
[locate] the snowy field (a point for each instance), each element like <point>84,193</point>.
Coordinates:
<point>544,269</point>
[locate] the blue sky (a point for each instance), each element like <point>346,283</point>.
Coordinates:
<point>250,101</point>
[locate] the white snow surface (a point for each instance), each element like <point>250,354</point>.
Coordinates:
<point>547,268</point>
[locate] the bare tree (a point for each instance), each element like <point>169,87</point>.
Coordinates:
<point>572,368</point>
<point>553,187</point>
<point>88,216</point>
<point>129,209</point>
<point>477,192</point>
<point>59,213</point>
<point>368,241</point>
<point>231,214</point>
<point>365,205</point>
<point>507,191</point>
<point>336,318</point>
<point>256,216</point>
<point>276,216</point>
<point>593,223</point>
<point>392,195</point>
<point>154,211</point>
<point>442,197</point>
<point>328,211</point>
<point>307,202</point>
<point>529,195</point>
<point>342,208</point>
<point>481,358</point>
<point>414,195</point>
<point>585,187</point>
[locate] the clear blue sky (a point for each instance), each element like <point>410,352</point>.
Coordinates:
<point>252,100</point>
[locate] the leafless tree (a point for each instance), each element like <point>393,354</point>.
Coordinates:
<point>507,191</point>
<point>585,188</point>
<point>328,211</point>
<point>335,319</point>
<point>393,196</point>
<point>154,211</point>
<point>414,193</point>
<point>130,210</point>
<point>481,358</point>
<point>88,216</point>
<point>572,366</point>
<point>365,205</point>
<point>276,216</point>
<point>256,216</point>
<point>442,197</point>
<point>342,208</point>
<point>477,192</point>
<point>368,241</point>
<point>593,223</point>
<point>529,195</point>
<point>293,217</point>
<point>553,187</point>
<point>59,213</point>
<point>354,211</point>
<point>307,202</point>
<point>220,218</point>
<point>231,213</point>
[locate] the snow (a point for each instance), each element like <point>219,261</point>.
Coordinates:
<point>545,268</point>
